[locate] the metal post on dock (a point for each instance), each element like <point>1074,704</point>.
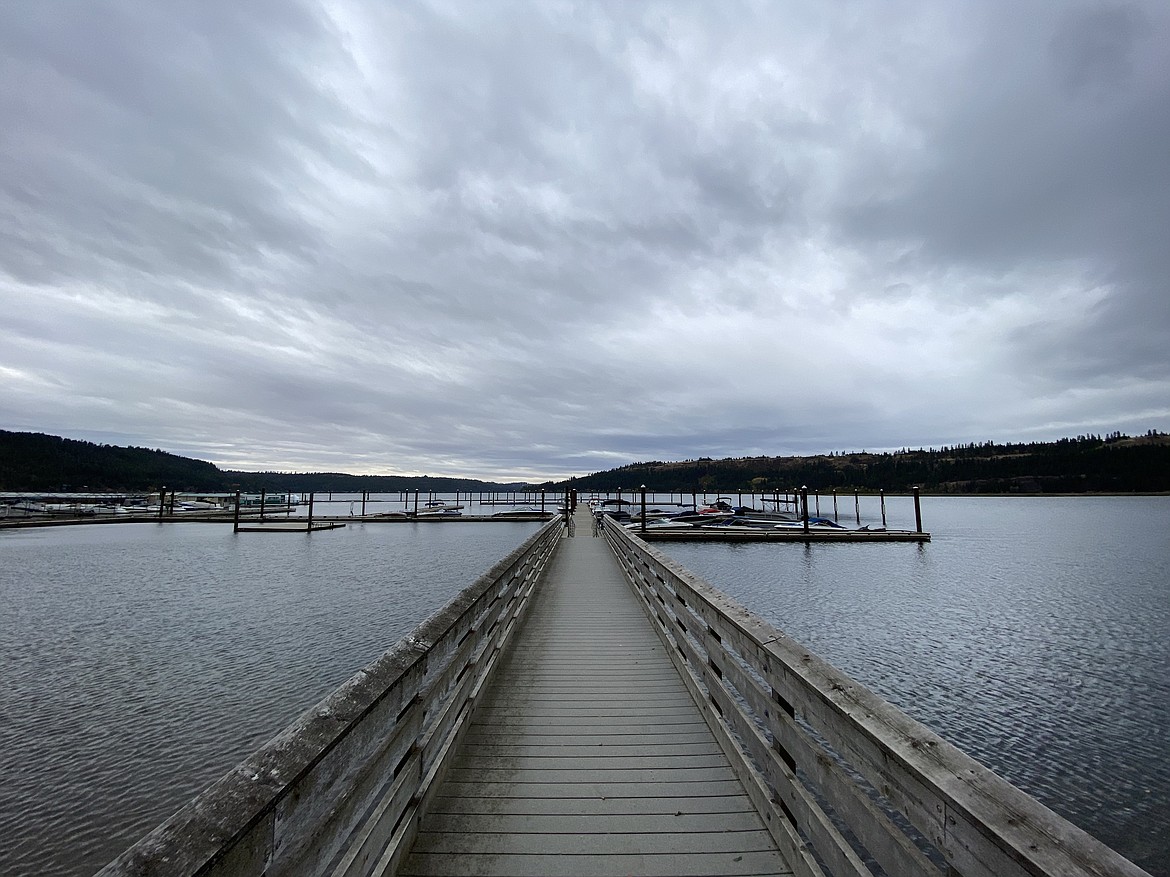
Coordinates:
<point>836,517</point>
<point>311,511</point>
<point>857,507</point>
<point>817,499</point>
<point>804,506</point>
<point>643,489</point>
<point>236,519</point>
<point>542,503</point>
<point>263,491</point>
<point>162,502</point>
<point>917,510</point>
<point>365,493</point>
<point>882,494</point>
<point>416,501</point>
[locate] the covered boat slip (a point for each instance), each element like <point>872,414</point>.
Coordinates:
<point>588,754</point>
<point>589,707</point>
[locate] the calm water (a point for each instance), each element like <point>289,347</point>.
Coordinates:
<point>139,662</point>
<point>1034,633</point>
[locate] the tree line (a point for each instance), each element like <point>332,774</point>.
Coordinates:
<point>33,462</point>
<point>1113,463</point>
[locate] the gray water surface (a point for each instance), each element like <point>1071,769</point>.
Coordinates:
<point>140,662</point>
<point>1033,633</point>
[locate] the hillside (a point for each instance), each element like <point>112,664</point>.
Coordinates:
<point>37,462</point>
<point>1086,464</point>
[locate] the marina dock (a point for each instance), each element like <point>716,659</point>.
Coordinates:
<point>588,706</point>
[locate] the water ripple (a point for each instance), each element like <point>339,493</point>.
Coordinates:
<point>141,662</point>
<point>1033,633</point>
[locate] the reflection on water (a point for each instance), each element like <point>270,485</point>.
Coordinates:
<point>1034,633</point>
<point>139,662</point>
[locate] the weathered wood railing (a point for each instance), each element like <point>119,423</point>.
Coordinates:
<point>846,783</point>
<point>339,792</point>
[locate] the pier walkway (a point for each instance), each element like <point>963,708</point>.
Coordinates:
<point>587,754</point>
<point>590,707</point>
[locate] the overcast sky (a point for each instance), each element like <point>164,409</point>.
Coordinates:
<point>527,240</point>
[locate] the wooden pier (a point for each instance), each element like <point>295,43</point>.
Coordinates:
<point>588,754</point>
<point>590,707</point>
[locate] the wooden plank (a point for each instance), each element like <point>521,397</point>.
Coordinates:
<point>600,843</point>
<point>592,807</point>
<point>758,864</point>
<point>598,823</point>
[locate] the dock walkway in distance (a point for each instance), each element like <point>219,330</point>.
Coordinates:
<point>588,755</point>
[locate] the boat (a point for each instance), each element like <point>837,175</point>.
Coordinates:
<point>524,512</point>
<point>438,508</point>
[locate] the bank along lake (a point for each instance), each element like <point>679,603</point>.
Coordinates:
<point>139,662</point>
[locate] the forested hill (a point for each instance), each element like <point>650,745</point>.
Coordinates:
<point>1086,464</point>
<point>36,462</point>
<point>31,461</point>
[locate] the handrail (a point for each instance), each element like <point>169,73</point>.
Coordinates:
<point>846,783</point>
<point>340,791</point>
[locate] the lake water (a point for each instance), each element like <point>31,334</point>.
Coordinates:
<point>140,662</point>
<point>1033,633</point>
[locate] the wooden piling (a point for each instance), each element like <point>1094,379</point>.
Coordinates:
<point>917,510</point>
<point>643,490</point>
<point>857,507</point>
<point>882,494</point>
<point>311,511</point>
<point>236,519</point>
<point>804,507</point>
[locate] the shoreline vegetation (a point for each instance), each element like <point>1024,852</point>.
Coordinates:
<point>1115,464</point>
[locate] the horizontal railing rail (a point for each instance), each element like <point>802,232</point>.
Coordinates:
<point>846,783</point>
<point>341,790</point>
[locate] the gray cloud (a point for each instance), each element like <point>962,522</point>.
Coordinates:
<point>522,240</point>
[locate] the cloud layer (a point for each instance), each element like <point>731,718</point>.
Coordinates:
<point>520,240</point>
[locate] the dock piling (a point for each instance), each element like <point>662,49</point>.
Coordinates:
<point>917,510</point>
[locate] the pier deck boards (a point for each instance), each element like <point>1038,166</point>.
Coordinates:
<point>588,756</point>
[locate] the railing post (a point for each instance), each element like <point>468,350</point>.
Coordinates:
<point>917,511</point>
